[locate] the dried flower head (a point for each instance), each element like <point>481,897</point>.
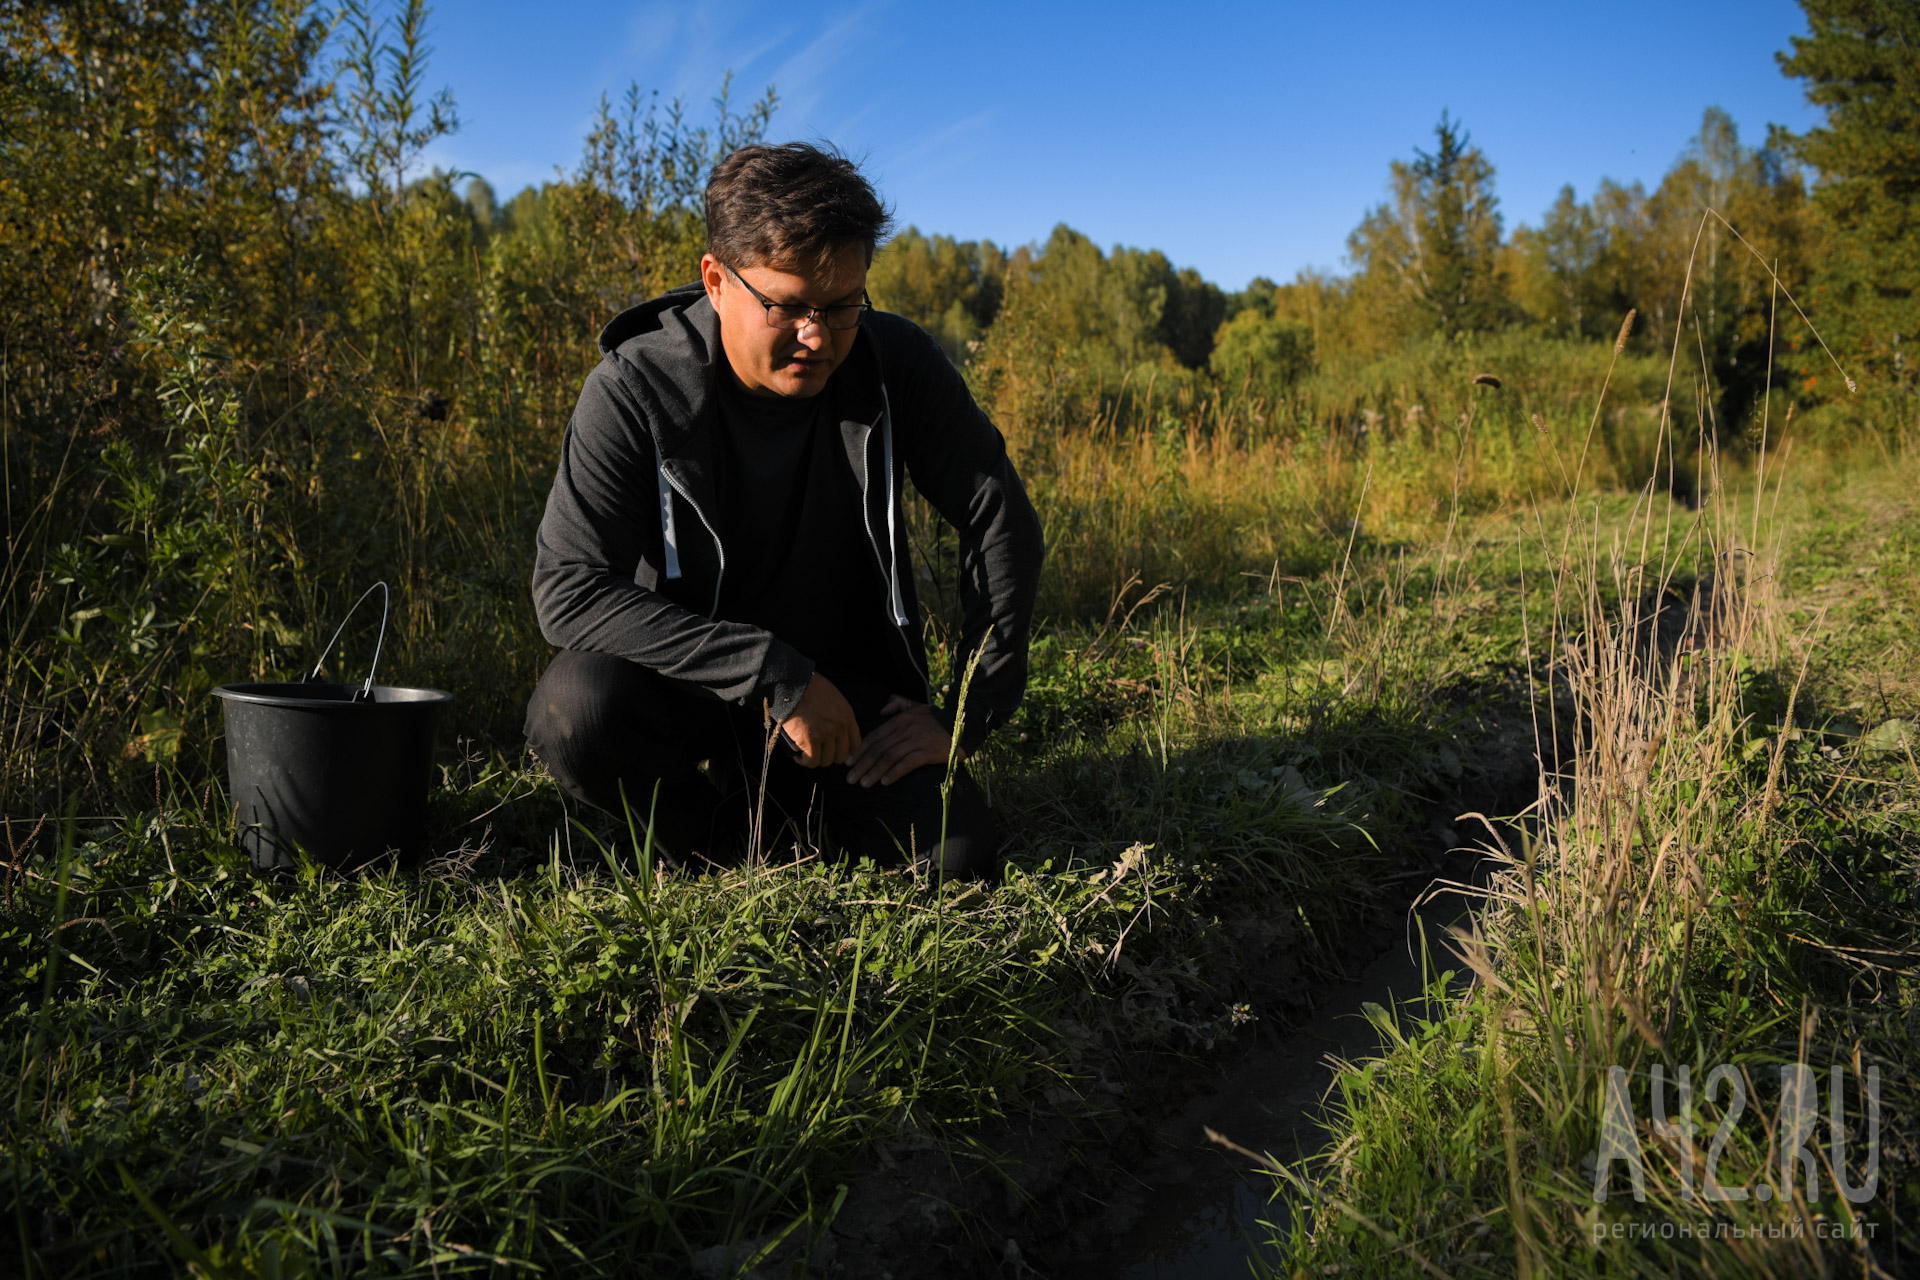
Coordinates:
<point>1538,425</point>
<point>1626,328</point>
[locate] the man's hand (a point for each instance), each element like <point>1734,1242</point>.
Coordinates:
<point>909,737</point>
<point>822,725</point>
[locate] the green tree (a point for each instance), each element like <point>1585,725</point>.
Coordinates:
<point>1555,270</point>
<point>950,288</point>
<point>164,130</point>
<point>1194,309</point>
<point>1083,333</point>
<point>1664,255</point>
<point>1861,62</point>
<point>636,205</point>
<point>1430,258</point>
<point>1108,308</point>
<point>1321,304</point>
<point>1264,353</point>
<point>1728,291</point>
<point>484,206</point>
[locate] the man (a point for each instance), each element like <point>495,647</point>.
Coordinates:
<point>725,548</point>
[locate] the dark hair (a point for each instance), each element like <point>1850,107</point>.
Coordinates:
<point>791,205</point>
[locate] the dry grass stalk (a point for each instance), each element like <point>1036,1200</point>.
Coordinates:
<point>1626,330</point>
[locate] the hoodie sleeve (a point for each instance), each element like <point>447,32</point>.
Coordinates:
<point>958,459</point>
<point>600,540</point>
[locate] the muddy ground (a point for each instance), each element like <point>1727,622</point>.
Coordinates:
<point>1088,1186</point>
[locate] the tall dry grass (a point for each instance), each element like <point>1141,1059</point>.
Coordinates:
<point>1201,490</point>
<point>1675,903</point>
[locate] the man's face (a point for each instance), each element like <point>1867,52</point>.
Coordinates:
<point>785,362</point>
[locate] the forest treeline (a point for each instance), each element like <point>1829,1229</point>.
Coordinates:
<point>254,350</point>
<point>277,148</point>
<point>1435,263</point>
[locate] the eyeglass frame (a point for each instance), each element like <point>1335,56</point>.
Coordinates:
<point>768,304</point>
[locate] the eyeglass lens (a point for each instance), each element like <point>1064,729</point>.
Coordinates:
<point>784,316</point>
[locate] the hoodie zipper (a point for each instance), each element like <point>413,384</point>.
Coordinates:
<point>897,619</point>
<point>669,530</point>
<point>673,554</point>
<point>896,612</point>
<point>893,542</point>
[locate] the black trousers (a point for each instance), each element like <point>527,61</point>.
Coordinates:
<point>610,729</point>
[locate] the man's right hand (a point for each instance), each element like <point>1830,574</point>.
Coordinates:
<point>822,726</point>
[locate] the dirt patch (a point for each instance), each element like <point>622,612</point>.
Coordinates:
<point>1067,1188</point>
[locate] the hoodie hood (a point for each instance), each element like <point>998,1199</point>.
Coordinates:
<point>649,317</point>
<point>667,351</point>
<point>670,345</point>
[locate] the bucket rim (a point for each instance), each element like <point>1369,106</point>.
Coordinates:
<point>247,691</point>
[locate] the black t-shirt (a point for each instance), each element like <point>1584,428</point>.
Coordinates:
<point>799,563</point>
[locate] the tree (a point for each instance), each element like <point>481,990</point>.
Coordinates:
<point>133,133</point>
<point>484,206</point>
<point>1107,310</point>
<point>1691,280</point>
<point>1861,62</point>
<point>1265,353</point>
<point>637,203</point>
<point>950,288</point>
<point>1459,235</point>
<point>1430,259</point>
<point>1554,271</point>
<point>1194,310</point>
<point>1729,300</point>
<point>1084,334</point>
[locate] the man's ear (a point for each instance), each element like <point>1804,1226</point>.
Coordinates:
<point>710,276</point>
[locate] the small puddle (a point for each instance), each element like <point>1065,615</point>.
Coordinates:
<point>1202,1214</point>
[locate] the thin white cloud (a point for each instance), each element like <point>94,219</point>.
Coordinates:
<point>802,79</point>
<point>945,138</point>
<point>686,52</point>
<point>843,129</point>
<point>945,149</point>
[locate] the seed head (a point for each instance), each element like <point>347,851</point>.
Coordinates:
<point>1626,327</point>
<point>1538,425</point>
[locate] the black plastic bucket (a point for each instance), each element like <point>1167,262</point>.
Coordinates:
<point>340,771</point>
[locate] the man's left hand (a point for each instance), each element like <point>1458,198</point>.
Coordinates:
<point>909,737</point>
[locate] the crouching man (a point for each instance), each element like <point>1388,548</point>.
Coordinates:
<point>725,547</point>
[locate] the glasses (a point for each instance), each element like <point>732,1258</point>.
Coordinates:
<point>798,315</point>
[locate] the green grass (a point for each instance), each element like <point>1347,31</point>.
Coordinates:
<point>1723,872</point>
<point>542,1051</point>
<point>539,1053</point>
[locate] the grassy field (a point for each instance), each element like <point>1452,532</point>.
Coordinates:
<point>1278,661</point>
<point>1719,878</point>
<point>539,1048</point>
<point>1301,616</point>
<point>533,1051</point>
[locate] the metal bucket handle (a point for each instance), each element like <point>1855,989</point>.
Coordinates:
<point>386,603</point>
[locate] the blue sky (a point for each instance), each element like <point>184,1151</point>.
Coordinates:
<point>1241,139</point>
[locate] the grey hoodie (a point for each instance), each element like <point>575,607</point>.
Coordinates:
<point>629,560</point>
